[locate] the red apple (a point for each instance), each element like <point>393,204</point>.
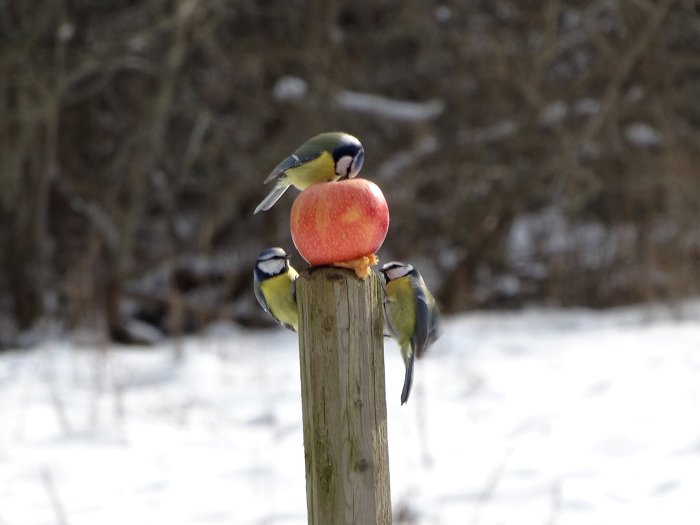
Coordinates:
<point>340,221</point>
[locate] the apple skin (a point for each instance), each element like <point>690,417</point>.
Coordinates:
<point>339,221</point>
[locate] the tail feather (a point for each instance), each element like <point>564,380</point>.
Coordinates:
<point>271,199</point>
<point>408,378</point>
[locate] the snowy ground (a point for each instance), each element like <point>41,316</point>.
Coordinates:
<point>531,417</point>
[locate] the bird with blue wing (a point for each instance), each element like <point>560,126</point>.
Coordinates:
<point>274,283</point>
<point>326,157</point>
<point>410,314</point>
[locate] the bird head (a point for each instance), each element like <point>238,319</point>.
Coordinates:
<point>348,156</point>
<point>273,261</point>
<point>395,270</point>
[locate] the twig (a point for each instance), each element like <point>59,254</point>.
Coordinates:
<point>625,66</point>
<point>555,502</point>
<point>54,498</point>
<point>489,489</point>
<point>56,400</point>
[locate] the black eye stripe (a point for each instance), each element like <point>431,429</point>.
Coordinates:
<point>345,150</point>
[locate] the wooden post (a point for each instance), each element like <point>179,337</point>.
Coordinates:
<point>341,350</point>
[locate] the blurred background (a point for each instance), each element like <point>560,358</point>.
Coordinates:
<point>539,152</point>
<point>535,155</point>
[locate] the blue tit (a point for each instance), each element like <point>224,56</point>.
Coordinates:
<point>410,314</point>
<point>324,158</point>
<point>275,286</point>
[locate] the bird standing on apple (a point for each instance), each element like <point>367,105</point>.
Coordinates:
<point>324,158</point>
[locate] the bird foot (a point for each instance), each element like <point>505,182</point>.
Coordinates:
<point>361,265</point>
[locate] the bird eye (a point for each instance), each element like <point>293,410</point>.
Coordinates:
<point>357,163</point>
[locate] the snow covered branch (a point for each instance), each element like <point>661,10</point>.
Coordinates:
<point>389,108</point>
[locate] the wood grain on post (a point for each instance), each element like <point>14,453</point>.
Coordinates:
<point>341,350</point>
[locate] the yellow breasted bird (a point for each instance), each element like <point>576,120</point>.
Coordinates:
<point>411,315</point>
<point>324,158</point>
<point>275,286</point>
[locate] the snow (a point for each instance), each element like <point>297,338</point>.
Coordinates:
<point>567,417</point>
<point>401,110</point>
<point>587,106</point>
<point>66,32</point>
<point>642,134</point>
<point>554,113</point>
<point>398,163</point>
<point>443,13</point>
<point>289,88</point>
<point>540,235</point>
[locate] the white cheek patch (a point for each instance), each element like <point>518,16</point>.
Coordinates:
<point>342,167</point>
<point>271,266</point>
<point>398,271</point>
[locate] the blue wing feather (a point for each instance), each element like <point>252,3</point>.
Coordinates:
<point>272,197</point>
<point>408,379</point>
<point>424,322</point>
<point>293,161</point>
<point>259,295</point>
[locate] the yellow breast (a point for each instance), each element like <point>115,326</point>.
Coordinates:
<point>278,292</point>
<point>401,309</point>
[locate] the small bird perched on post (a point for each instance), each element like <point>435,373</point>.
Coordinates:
<point>324,158</point>
<point>410,314</point>
<point>275,287</point>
